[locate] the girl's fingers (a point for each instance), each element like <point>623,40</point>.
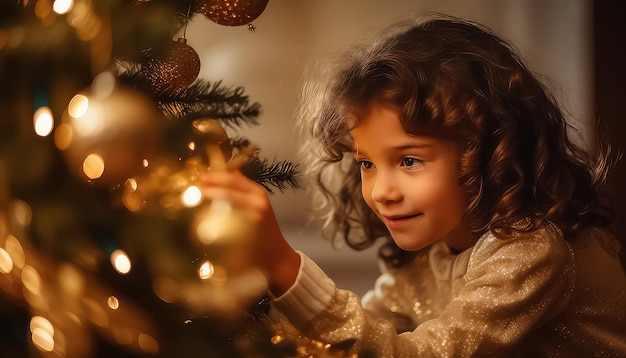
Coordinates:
<point>240,192</point>
<point>234,197</point>
<point>232,180</point>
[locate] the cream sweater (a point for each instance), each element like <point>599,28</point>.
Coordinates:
<point>531,295</point>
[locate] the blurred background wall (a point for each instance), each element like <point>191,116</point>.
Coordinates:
<point>554,36</point>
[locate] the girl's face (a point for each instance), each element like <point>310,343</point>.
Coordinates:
<point>410,181</point>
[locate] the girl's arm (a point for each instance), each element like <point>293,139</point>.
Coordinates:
<point>274,255</point>
<point>513,287</point>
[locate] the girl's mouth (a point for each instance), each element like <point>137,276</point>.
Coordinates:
<point>397,221</point>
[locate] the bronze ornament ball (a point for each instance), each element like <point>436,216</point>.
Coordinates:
<point>231,12</point>
<point>175,70</point>
<point>105,136</point>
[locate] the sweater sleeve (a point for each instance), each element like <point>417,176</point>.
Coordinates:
<point>512,286</point>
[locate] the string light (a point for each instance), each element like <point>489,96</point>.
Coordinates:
<point>121,261</point>
<point>192,196</point>
<point>43,121</point>
<point>206,270</point>
<point>62,7</point>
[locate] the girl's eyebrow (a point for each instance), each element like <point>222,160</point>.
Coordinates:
<point>355,149</point>
<point>413,146</point>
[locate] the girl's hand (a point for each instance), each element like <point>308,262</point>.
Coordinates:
<point>274,255</point>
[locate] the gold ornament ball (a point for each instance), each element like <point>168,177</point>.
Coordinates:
<point>231,12</point>
<point>105,137</point>
<point>174,70</point>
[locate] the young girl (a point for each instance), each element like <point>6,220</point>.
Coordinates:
<point>497,243</point>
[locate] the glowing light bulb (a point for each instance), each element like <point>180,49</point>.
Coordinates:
<point>121,262</point>
<point>42,333</point>
<point>113,302</point>
<point>62,6</point>
<point>43,121</point>
<point>6,262</point>
<point>206,270</point>
<point>93,166</point>
<point>78,106</point>
<point>192,196</point>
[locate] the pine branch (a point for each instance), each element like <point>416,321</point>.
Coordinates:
<point>213,100</point>
<point>202,99</point>
<point>280,175</point>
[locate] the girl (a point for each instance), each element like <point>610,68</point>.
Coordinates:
<point>497,243</point>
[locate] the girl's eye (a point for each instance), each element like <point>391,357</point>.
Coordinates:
<point>365,164</point>
<point>410,162</point>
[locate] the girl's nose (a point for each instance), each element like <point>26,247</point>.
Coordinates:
<point>385,189</point>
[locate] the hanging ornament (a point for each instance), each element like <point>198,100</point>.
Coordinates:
<point>107,132</point>
<point>175,70</point>
<point>173,184</point>
<point>231,12</point>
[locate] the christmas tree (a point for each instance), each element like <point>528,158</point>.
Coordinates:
<point>106,246</point>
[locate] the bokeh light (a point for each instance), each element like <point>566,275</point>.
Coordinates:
<point>206,270</point>
<point>43,121</point>
<point>192,196</point>
<point>6,262</point>
<point>62,7</point>
<point>78,106</point>
<point>148,344</point>
<point>93,166</point>
<point>121,262</point>
<point>113,302</point>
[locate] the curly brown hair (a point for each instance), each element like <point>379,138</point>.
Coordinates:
<point>455,79</point>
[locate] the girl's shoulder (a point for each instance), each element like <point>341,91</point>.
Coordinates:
<point>540,245</point>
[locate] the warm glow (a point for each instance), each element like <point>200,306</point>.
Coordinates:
<point>87,26</point>
<point>145,163</point>
<point>43,340</point>
<point>132,201</point>
<point>191,145</point>
<point>131,183</point>
<point>63,136</point>
<point>192,196</point>
<point>220,276</point>
<point>6,262</point>
<point>71,280</point>
<point>95,312</point>
<point>22,212</point>
<point>103,85</point>
<point>39,322</point>
<point>212,223</point>
<point>167,289</point>
<point>87,115</point>
<point>121,261</point>
<point>43,9</point>
<point>31,280</point>
<point>206,270</point>
<point>15,251</point>
<point>42,333</point>
<point>148,344</point>
<point>43,121</point>
<point>123,335</point>
<point>93,166</point>
<point>62,6</point>
<point>113,302</point>
<point>78,106</point>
